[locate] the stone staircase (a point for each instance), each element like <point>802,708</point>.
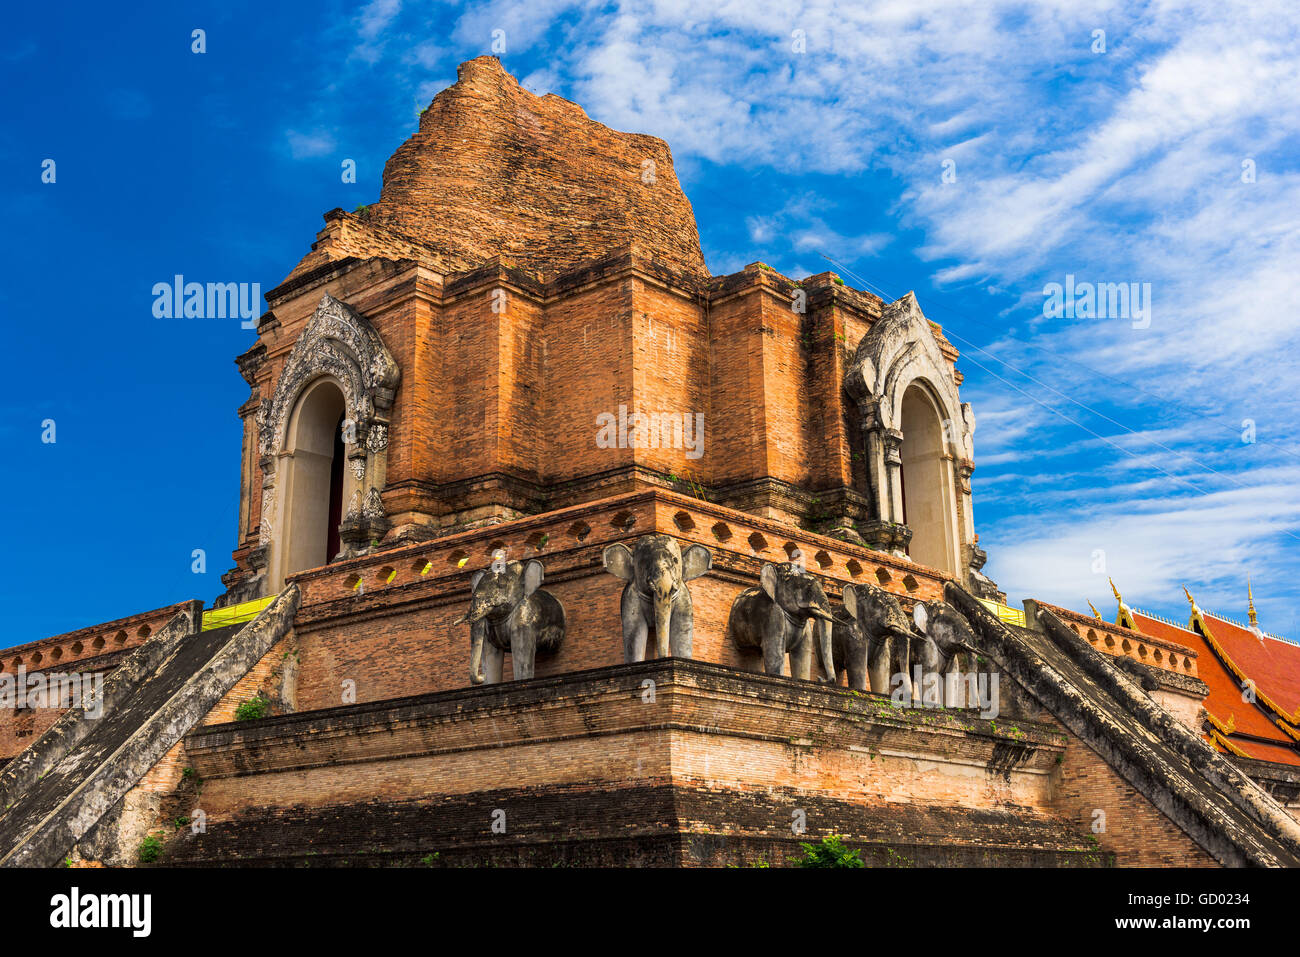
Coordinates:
<point>1196,787</point>
<point>57,790</point>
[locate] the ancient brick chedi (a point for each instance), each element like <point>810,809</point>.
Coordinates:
<point>536,282</point>
<point>554,547</point>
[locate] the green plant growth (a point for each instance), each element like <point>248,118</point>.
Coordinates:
<point>829,852</point>
<point>150,849</point>
<point>693,486</point>
<point>894,859</point>
<point>254,709</point>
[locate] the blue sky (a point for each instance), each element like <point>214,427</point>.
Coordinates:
<point>800,131</point>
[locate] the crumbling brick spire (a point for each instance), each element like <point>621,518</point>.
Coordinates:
<point>496,171</point>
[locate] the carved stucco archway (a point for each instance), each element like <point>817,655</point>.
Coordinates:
<point>898,360</point>
<point>340,345</point>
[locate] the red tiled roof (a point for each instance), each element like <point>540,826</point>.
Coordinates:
<point>1266,752</point>
<point>1253,729</point>
<point>1273,665</point>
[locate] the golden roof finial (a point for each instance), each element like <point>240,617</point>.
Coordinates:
<point>1190,600</point>
<point>1254,619</point>
<point>1118,598</point>
<point>1095,612</point>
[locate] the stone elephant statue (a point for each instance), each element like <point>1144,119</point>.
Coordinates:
<point>656,571</point>
<point>778,617</point>
<point>872,640</point>
<point>510,611</point>
<point>947,648</point>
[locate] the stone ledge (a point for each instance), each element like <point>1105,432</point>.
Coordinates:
<point>690,698</point>
<point>652,825</point>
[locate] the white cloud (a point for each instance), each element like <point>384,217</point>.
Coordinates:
<point>308,145</point>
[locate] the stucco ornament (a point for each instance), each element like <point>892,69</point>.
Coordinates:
<point>374,505</point>
<point>899,349</point>
<point>341,343</point>
<point>968,431</point>
<point>268,503</point>
<point>902,349</point>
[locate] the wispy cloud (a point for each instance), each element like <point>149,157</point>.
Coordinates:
<point>311,144</point>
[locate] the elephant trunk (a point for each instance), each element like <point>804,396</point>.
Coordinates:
<point>822,628</point>
<point>663,608</point>
<point>476,657</point>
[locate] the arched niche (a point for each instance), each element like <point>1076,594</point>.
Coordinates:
<point>917,443</point>
<point>337,388</point>
<point>312,469</point>
<point>925,477</point>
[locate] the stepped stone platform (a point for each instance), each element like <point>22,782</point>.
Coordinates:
<point>669,762</point>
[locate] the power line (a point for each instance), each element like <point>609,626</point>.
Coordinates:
<point>1061,414</point>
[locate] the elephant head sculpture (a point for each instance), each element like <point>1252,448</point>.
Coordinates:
<point>873,640</point>
<point>656,570</point>
<point>947,644</point>
<point>777,617</point>
<point>510,611</point>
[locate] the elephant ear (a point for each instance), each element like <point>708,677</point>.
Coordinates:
<point>767,579</point>
<point>696,560</point>
<point>618,561</point>
<point>851,600</point>
<point>921,615</point>
<point>533,575</point>
<point>476,578</point>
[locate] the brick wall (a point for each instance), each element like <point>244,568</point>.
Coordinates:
<point>495,396</point>
<point>754,764</point>
<point>1136,832</point>
<point>398,637</point>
